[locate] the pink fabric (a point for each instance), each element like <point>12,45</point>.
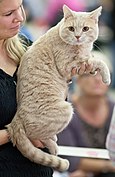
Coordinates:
<point>55,5</point>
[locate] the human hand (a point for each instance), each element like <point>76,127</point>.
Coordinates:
<point>37,143</point>
<point>4,136</point>
<point>79,173</point>
<point>108,166</point>
<point>84,68</point>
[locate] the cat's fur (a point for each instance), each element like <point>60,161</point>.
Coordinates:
<point>42,111</point>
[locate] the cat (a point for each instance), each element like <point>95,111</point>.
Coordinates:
<point>42,86</point>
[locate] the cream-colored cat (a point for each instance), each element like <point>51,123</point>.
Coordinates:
<point>43,74</point>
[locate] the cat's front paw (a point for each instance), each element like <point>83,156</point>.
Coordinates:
<point>102,68</point>
<point>107,80</point>
<point>105,77</point>
<point>105,73</point>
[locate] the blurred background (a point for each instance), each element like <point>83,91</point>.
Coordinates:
<point>43,14</point>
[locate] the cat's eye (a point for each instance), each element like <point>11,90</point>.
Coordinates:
<point>86,28</point>
<point>71,28</point>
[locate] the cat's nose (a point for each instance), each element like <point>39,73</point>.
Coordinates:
<point>77,37</point>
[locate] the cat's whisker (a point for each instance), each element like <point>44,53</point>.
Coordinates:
<point>97,47</point>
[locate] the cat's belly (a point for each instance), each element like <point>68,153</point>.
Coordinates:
<point>49,123</point>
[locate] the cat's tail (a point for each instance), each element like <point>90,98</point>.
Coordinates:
<point>34,154</point>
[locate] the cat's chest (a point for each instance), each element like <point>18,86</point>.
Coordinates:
<point>75,53</point>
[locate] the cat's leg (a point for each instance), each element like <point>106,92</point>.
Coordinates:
<point>54,138</point>
<point>103,69</point>
<point>59,116</point>
<point>52,146</point>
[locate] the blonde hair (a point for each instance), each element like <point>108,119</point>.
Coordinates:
<point>15,48</point>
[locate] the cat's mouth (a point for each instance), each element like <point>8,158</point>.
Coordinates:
<point>79,42</point>
<point>78,38</point>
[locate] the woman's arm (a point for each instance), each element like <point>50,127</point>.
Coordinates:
<point>4,137</point>
<point>87,167</point>
<point>95,165</point>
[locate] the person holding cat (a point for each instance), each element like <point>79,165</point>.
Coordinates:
<point>93,110</point>
<point>12,47</point>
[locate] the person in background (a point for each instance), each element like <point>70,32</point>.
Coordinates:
<point>12,46</point>
<point>90,124</point>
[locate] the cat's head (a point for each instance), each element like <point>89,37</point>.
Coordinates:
<point>77,28</point>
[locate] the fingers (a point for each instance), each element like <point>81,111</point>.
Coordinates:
<point>89,68</point>
<point>84,68</point>
<point>37,143</point>
<point>40,144</point>
<point>74,71</point>
<point>78,173</point>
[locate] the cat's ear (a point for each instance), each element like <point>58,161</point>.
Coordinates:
<point>96,13</point>
<point>67,12</point>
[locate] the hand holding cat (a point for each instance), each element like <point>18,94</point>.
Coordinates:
<point>38,143</point>
<point>79,173</point>
<point>91,68</point>
<point>83,69</point>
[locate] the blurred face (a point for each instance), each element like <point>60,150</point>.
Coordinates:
<point>92,85</point>
<point>11,17</point>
